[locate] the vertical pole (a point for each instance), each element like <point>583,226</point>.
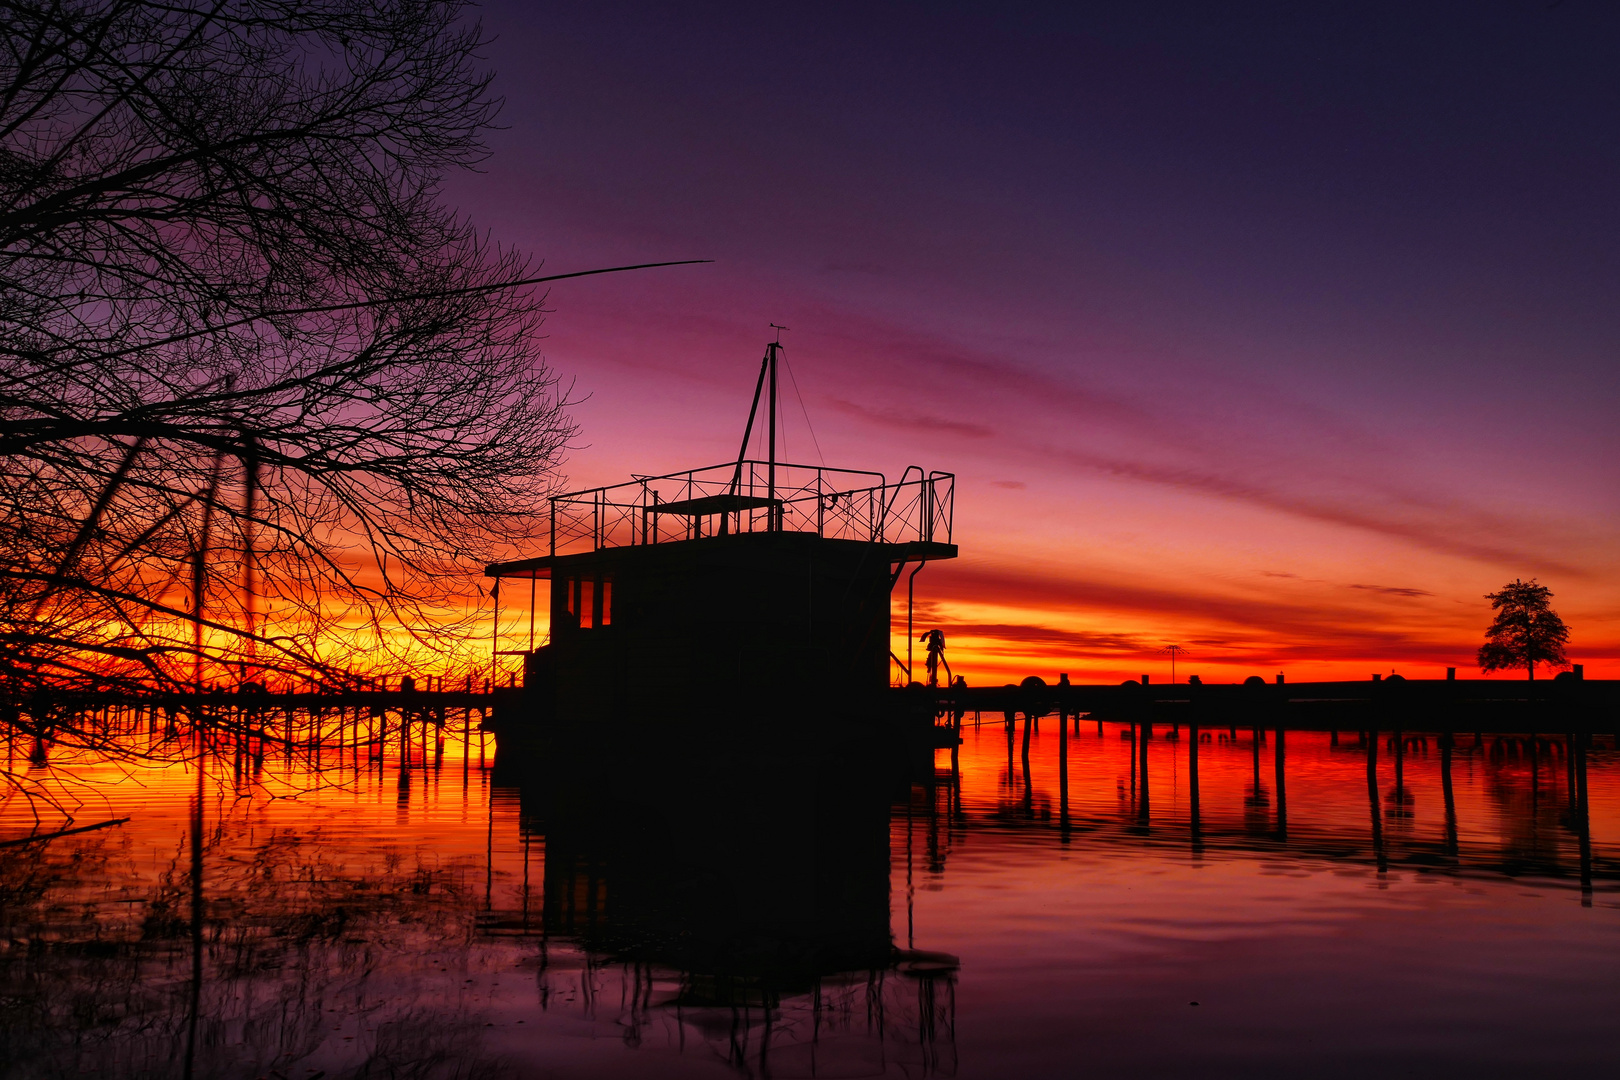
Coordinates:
<point>1448,795</point>
<point>911,586</point>
<point>1132,758</point>
<point>494,632</point>
<point>196,917</point>
<point>1372,801</point>
<point>771,491</point>
<point>1569,771</point>
<point>1146,733</point>
<point>1192,776</point>
<point>1256,748</point>
<point>1583,830</point>
<point>1008,714</point>
<point>1282,786</point>
<point>1029,785</point>
<point>1063,768</point>
<point>534,583</point>
<point>1400,768</point>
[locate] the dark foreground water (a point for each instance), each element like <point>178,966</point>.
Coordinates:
<point>1419,909</point>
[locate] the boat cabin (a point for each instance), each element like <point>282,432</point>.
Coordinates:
<point>739,591</point>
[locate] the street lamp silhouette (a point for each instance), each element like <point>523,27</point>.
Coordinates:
<point>1174,651</point>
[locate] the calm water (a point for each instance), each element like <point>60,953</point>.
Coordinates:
<point>718,918</point>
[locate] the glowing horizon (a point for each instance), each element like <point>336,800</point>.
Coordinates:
<point>1289,364</point>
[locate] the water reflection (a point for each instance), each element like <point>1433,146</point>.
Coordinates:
<point>728,912</point>
<point>802,917</point>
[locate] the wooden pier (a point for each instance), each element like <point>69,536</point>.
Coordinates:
<point>1559,704</point>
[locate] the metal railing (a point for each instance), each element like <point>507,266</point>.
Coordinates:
<point>756,496</point>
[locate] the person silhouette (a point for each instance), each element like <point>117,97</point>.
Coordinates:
<point>935,640</point>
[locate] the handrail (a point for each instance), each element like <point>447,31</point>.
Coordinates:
<point>848,504</point>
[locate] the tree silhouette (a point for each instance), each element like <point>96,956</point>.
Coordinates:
<point>1526,630</point>
<point>264,397</point>
<point>242,339</point>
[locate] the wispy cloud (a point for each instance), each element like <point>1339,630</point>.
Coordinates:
<point>913,421</point>
<point>1393,590</point>
<point>1233,440</point>
<point>1446,530</point>
<point>1269,625</point>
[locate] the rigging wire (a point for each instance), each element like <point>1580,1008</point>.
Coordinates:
<point>806,412</point>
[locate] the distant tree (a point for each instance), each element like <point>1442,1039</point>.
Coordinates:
<point>1526,630</point>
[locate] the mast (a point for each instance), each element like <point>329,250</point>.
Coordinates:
<point>771,473</point>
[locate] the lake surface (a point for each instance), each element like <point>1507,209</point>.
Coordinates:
<point>1456,913</point>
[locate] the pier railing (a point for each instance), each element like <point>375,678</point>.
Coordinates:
<point>756,496</point>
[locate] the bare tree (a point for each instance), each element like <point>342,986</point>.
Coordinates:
<point>1526,630</point>
<point>259,387</point>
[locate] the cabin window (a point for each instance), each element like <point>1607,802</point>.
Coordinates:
<point>570,587</point>
<point>587,603</point>
<point>607,604</point>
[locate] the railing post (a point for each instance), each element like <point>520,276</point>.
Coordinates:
<point>553,528</point>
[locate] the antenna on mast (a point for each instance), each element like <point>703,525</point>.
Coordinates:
<point>767,369</point>
<point>771,352</point>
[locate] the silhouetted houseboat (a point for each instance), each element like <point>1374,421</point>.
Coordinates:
<point>750,595</point>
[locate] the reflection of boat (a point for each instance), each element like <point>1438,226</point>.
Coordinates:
<point>757,875</point>
<point>720,595</point>
<point>747,895</point>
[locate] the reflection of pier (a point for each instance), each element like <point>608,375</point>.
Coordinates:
<point>1536,787</point>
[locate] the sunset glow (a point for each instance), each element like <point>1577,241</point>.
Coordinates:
<point>1224,352</point>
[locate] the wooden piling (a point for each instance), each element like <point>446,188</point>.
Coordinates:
<point>1143,799</point>
<point>1282,785</point>
<point>1447,795</point>
<point>1192,776</point>
<point>1372,802</point>
<point>1063,767</point>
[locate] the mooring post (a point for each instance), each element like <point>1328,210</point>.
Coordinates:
<point>1143,800</point>
<point>1008,715</point>
<point>1029,785</point>
<point>1400,769</point>
<point>1131,755</point>
<point>1447,795</point>
<point>1282,785</point>
<point>1256,750</point>
<point>1569,772</point>
<point>1192,775</point>
<point>1372,801</point>
<point>1583,829</point>
<point>1063,766</point>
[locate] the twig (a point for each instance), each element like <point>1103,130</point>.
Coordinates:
<point>63,832</point>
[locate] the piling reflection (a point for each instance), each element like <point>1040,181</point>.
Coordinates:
<point>735,911</point>
<point>416,915</point>
<point>1525,810</point>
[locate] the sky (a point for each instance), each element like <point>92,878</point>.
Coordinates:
<point>1279,332</point>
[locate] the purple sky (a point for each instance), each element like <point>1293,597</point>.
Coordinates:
<point>1281,330</point>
